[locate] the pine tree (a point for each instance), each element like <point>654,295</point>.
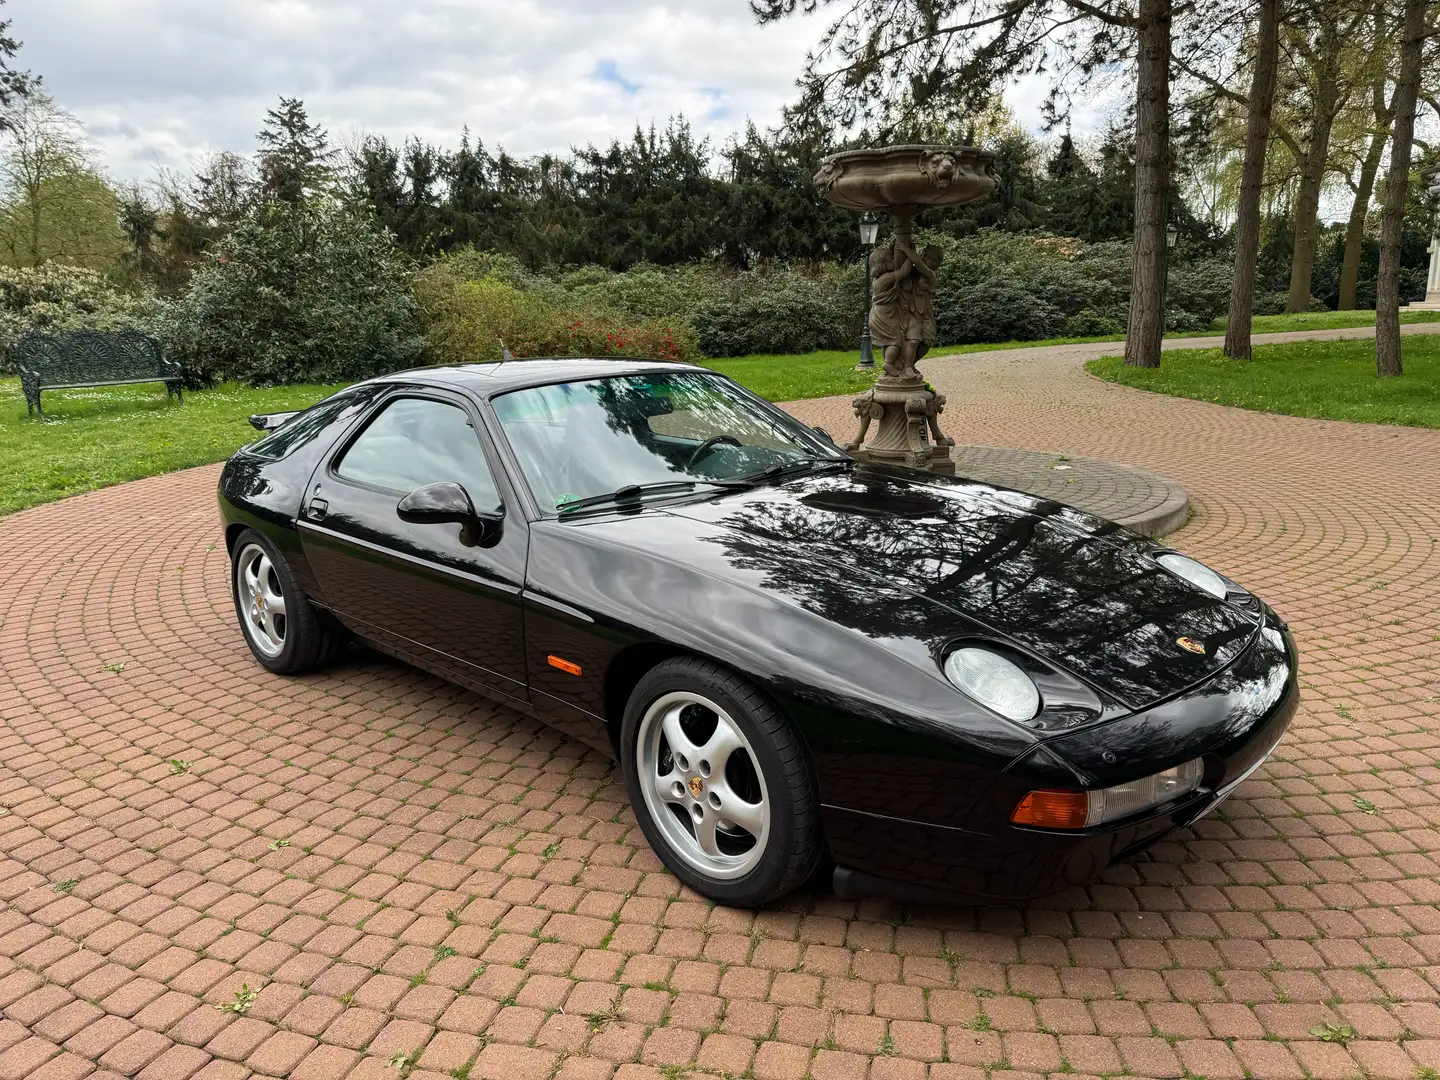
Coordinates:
<point>295,155</point>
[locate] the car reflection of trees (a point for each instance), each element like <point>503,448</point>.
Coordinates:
<point>1030,564</point>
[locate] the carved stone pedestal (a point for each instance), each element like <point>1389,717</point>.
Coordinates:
<point>908,432</point>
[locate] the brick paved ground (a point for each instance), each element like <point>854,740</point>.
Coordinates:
<point>400,868</point>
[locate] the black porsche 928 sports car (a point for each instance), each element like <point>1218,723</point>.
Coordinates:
<point>947,688</point>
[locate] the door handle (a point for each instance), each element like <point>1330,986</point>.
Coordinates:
<point>317,509</point>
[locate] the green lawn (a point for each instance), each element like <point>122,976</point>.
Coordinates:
<point>94,438</point>
<point>99,437</point>
<point>1321,320</point>
<point>1334,380</point>
<point>828,373</point>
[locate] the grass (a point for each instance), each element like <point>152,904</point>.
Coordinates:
<point>832,373</point>
<point>94,438</point>
<point>103,436</point>
<point>1324,320</point>
<point>1333,380</point>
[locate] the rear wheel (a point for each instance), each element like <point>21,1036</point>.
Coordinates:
<point>720,783</point>
<point>285,632</point>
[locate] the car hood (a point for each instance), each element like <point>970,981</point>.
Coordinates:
<point>1082,592</point>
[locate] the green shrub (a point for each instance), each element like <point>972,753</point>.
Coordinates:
<point>995,311</point>
<point>1185,322</point>
<point>298,292</point>
<point>54,296</point>
<point>786,313</point>
<point>1200,288</point>
<point>1092,323</point>
<point>468,321</point>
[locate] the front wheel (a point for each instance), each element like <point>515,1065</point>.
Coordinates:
<point>720,783</point>
<point>283,629</point>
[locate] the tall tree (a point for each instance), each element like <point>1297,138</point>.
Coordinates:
<point>892,65</point>
<point>1387,284</point>
<point>295,155</point>
<point>1322,48</point>
<point>1152,185</point>
<point>56,205</point>
<point>14,85</point>
<point>1364,189</point>
<point>1247,215</point>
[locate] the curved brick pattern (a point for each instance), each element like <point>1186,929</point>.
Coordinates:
<point>1137,498</point>
<point>402,873</point>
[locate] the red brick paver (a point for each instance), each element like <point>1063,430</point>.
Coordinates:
<point>395,867</point>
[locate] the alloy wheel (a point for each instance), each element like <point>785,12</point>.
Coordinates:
<point>702,786</point>
<point>262,601</point>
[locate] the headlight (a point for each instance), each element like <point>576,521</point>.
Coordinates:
<point>1202,577</point>
<point>994,682</point>
<point>1083,809</point>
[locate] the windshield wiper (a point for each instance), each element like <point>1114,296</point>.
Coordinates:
<point>781,468</point>
<point>633,492</point>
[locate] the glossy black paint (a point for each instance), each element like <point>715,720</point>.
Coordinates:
<point>839,594</point>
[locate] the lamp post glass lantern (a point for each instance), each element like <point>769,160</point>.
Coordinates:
<point>869,231</point>
<point>1172,234</point>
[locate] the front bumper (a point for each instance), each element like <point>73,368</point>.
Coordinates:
<point>1233,722</point>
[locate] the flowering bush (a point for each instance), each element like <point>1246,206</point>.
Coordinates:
<point>469,321</point>
<point>54,296</point>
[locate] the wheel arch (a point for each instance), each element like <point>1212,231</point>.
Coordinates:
<point>623,674</point>
<point>631,664</point>
<point>232,533</point>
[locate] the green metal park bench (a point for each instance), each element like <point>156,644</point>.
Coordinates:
<point>67,359</point>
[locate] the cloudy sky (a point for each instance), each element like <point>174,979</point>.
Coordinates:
<point>158,82</point>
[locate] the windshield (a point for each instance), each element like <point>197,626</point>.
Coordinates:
<point>581,439</point>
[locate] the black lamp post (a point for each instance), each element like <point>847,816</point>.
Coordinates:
<point>869,230</point>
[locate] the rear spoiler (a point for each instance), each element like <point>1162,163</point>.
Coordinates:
<point>273,420</point>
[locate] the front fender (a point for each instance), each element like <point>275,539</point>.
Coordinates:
<point>851,663</point>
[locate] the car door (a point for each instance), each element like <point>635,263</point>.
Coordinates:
<point>433,593</point>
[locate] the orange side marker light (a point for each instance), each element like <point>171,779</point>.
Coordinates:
<point>1052,810</point>
<point>564,665</point>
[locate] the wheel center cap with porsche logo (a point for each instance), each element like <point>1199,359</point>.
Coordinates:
<point>697,786</point>
<point>1189,644</point>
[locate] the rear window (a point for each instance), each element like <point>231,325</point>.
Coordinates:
<point>302,429</point>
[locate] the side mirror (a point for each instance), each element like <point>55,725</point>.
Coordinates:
<point>823,434</point>
<point>449,502</point>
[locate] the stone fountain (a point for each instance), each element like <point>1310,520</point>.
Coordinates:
<point>902,181</point>
<point>1431,179</point>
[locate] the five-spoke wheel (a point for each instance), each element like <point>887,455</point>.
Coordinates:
<point>284,630</point>
<point>720,783</point>
<point>703,787</point>
<point>260,599</point>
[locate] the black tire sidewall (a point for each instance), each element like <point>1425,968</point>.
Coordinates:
<point>770,878</point>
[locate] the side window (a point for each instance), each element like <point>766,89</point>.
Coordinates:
<point>310,423</point>
<point>413,442</point>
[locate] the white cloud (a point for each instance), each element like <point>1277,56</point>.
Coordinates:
<point>159,82</point>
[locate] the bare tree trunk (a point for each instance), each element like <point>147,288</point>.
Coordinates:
<point>1257,142</point>
<point>1307,202</point>
<point>1355,230</point>
<point>1146,328</point>
<point>1387,286</point>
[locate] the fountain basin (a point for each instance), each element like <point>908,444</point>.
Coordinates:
<point>912,176</point>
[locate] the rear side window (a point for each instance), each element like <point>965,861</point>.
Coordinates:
<point>310,423</point>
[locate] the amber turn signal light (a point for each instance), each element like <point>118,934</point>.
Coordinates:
<point>1053,810</point>
<point>566,666</point>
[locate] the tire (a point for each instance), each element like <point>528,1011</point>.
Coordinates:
<point>293,639</point>
<point>683,713</point>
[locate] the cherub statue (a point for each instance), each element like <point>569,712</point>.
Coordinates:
<point>890,269</point>
<point>920,330</point>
